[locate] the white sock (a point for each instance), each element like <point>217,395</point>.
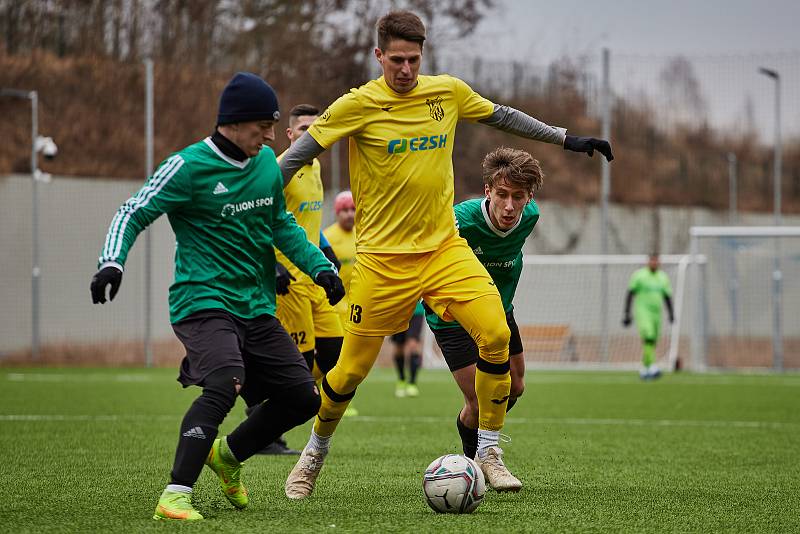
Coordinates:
<point>486,439</point>
<point>179,488</point>
<point>319,443</point>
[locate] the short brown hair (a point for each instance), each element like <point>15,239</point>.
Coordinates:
<point>302,110</point>
<point>403,25</point>
<point>516,167</point>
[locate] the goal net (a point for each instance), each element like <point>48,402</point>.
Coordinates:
<point>748,297</point>
<point>569,309</point>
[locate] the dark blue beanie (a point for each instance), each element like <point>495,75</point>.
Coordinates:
<point>247,98</point>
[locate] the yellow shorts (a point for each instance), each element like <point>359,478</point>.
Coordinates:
<point>385,288</point>
<point>306,314</point>
<point>343,309</point>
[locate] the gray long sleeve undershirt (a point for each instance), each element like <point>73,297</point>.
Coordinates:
<point>516,122</point>
<point>301,153</point>
<point>504,118</point>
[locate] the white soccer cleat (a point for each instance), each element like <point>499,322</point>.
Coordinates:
<point>301,480</point>
<point>497,474</point>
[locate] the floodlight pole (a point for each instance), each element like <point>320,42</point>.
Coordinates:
<point>777,327</point>
<point>732,219</point>
<point>33,96</point>
<point>605,188</point>
<point>148,250</point>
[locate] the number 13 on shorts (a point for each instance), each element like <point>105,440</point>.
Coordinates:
<point>355,313</point>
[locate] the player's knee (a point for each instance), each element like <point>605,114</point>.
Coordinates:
<point>328,350</point>
<point>301,403</point>
<point>221,387</point>
<point>493,342</point>
<point>349,381</point>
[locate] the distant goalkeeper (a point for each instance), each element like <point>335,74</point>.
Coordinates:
<point>650,285</point>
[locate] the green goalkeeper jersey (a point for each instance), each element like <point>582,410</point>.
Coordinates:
<point>227,215</point>
<point>498,250</point>
<point>649,289</point>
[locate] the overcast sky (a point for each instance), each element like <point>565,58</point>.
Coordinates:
<point>548,29</point>
<point>726,40</point>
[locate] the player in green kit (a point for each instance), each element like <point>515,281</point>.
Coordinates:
<point>649,287</point>
<point>495,228</point>
<point>224,200</point>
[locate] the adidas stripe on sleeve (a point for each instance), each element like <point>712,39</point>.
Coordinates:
<point>163,192</point>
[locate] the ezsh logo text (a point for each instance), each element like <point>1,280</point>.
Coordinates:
<point>415,144</point>
<point>311,206</point>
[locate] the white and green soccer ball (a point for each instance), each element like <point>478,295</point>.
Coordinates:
<point>453,484</point>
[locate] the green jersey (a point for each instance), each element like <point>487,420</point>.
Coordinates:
<point>500,251</point>
<point>227,215</point>
<point>649,289</point>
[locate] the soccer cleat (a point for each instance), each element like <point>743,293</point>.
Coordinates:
<point>278,447</point>
<point>301,480</point>
<point>229,473</point>
<point>497,474</point>
<point>654,371</point>
<point>400,389</point>
<point>412,390</point>
<point>176,505</point>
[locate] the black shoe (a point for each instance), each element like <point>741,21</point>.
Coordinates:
<point>278,447</point>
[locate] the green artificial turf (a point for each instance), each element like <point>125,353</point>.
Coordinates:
<point>90,450</point>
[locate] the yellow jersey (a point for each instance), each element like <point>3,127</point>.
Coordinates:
<point>401,158</point>
<point>304,196</point>
<point>344,246</point>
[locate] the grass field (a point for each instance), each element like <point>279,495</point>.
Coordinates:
<point>90,450</point>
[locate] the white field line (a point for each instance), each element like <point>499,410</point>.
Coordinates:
<point>555,421</point>
<point>439,376</point>
<point>83,377</point>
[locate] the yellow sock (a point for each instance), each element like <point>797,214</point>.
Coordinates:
<point>316,372</point>
<point>492,391</point>
<point>485,320</point>
<point>339,385</point>
<point>329,415</point>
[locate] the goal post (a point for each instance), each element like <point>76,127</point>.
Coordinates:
<point>569,310</point>
<point>748,297</point>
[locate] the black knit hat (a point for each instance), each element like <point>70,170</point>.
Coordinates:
<point>247,98</point>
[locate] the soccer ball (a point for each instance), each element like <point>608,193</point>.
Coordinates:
<point>453,484</point>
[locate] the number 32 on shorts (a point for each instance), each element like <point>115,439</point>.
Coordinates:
<point>298,337</point>
<point>355,313</point>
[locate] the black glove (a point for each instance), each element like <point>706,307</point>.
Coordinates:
<point>282,279</point>
<point>588,145</point>
<point>626,321</point>
<point>332,285</point>
<point>103,277</point>
<point>328,251</point>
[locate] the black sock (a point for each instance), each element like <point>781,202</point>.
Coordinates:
<point>309,356</point>
<point>328,350</point>
<point>272,418</point>
<point>469,438</point>
<point>511,402</point>
<point>201,423</point>
<point>414,366</point>
<point>399,363</point>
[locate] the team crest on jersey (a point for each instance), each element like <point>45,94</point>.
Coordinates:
<point>435,108</point>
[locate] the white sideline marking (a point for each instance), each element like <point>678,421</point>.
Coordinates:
<point>439,376</point>
<point>87,377</point>
<point>439,420</point>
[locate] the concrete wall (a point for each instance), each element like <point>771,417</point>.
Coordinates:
<point>75,214</point>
